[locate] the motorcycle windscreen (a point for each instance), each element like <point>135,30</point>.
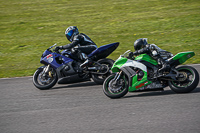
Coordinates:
<point>103,51</point>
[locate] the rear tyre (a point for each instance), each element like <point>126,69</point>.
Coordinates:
<point>115,89</point>
<point>99,78</point>
<point>44,81</point>
<point>188,82</point>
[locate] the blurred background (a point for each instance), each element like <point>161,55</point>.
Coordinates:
<point>28,27</point>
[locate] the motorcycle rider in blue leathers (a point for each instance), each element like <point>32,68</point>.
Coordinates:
<point>81,45</point>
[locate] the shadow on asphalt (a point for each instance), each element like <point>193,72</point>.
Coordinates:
<point>159,93</point>
<point>82,84</point>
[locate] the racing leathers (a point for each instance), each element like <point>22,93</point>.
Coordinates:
<point>156,53</point>
<point>81,45</point>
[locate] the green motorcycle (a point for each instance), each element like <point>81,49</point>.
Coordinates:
<point>141,74</point>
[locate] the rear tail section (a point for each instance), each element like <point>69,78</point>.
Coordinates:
<point>180,58</point>
<point>103,51</point>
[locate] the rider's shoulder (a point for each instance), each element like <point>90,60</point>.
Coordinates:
<point>77,37</point>
<point>82,34</point>
<point>152,46</point>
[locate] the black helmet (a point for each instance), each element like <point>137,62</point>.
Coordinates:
<point>140,43</point>
<point>71,32</point>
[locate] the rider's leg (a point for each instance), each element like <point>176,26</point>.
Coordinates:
<point>164,65</point>
<point>83,51</point>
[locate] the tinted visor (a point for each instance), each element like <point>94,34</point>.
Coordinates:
<point>70,33</point>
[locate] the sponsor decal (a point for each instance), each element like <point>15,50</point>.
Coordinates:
<point>141,85</point>
<point>50,55</point>
<point>49,58</point>
<point>189,56</point>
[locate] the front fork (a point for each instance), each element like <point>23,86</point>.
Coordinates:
<point>116,78</point>
<point>46,71</point>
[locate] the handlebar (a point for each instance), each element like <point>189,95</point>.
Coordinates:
<point>52,46</point>
<point>126,55</point>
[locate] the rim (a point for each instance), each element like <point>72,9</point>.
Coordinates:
<point>186,80</point>
<point>117,88</point>
<point>45,79</point>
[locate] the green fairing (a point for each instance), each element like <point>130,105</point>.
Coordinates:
<point>118,63</point>
<point>147,58</point>
<point>121,61</point>
<point>183,56</point>
<point>136,83</point>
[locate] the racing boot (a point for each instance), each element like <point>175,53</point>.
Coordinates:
<point>86,59</point>
<point>87,62</point>
<point>164,68</point>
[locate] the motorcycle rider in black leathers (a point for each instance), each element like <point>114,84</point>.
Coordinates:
<point>141,46</point>
<point>81,45</point>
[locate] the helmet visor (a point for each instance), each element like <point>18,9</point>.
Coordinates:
<point>70,33</point>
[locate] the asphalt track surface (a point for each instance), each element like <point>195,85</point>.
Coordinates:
<point>83,108</point>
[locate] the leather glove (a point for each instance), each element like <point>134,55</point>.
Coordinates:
<point>74,50</point>
<point>135,53</point>
<point>130,55</point>
<point>59,47</point>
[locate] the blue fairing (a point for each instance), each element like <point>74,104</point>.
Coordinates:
<point>57,60</point>
<point>104,51</point>
<point>52,59</point>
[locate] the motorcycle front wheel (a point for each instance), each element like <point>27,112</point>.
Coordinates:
<point>187,82</point>
<point>115,89</point>
<point>44,81</point>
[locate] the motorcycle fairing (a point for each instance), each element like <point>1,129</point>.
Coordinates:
<point>135,84</point>
<point>46,52</point>
<point>118,63</point>
<point>147,58</point>
<point>132,76</point>
<point>103,51</point>
<point>181,57</point>
<point>54,59</point>
<point>123,62</point>
<point>135,64</point>
<point>126,66</point>
<point>139,84</point>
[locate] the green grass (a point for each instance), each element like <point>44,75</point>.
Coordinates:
<point>28,27</point>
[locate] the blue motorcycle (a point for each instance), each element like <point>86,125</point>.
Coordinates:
<point>64,67</point>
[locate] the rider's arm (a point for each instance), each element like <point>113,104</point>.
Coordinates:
<point>70,45</point>
<point>75,42</point>
<point>142,51</point>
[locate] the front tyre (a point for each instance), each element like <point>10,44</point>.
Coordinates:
<point>187,82</point>
<point>99,78</point>
<point>44,81</point>
<point>113,89</point>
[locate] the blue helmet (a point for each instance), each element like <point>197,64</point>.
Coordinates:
<point>71,32</point>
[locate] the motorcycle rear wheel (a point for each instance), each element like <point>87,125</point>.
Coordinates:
<point>117,90</point>
<point>99,78</point>
<point>44,81</point>
<point>188,82</point>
